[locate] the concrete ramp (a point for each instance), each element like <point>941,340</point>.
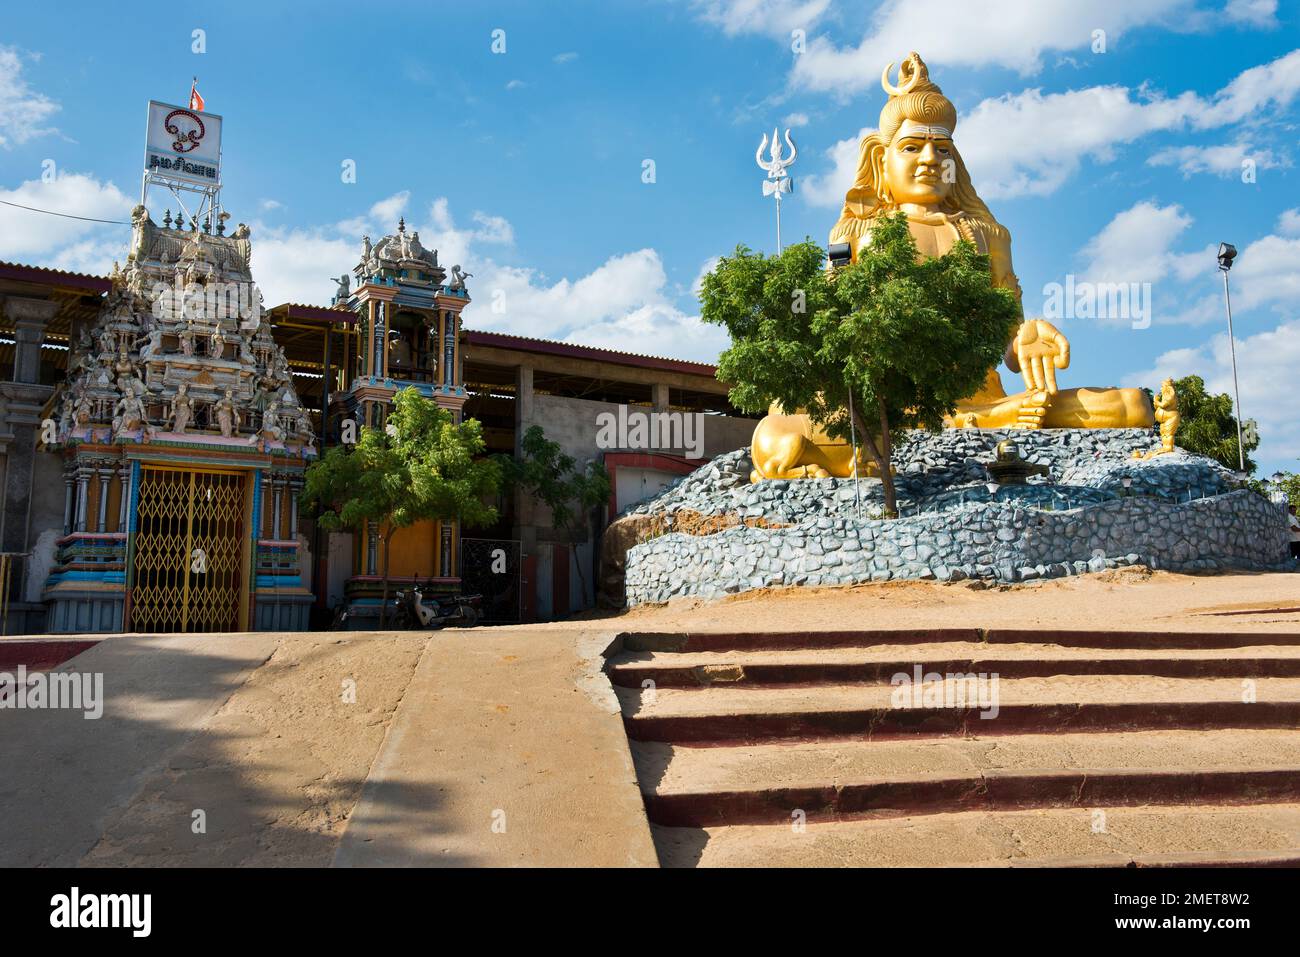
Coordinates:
<point>508,750</point>
<point>66,775</point>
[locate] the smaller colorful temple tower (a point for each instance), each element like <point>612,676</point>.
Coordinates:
<point>407,335</point>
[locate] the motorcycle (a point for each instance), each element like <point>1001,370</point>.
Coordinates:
<point>410,609</point>
<point>415,610</point>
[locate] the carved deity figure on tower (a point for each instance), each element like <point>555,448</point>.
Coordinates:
<point>182,408</point>
<point>227,414</point>
<point>128,414</point>
<point>149,344</point>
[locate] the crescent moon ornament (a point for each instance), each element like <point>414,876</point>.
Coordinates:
<point>908,77</point>
<point>885,84</point>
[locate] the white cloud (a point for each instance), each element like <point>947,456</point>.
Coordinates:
<point>1269,84</point>
<point>1266,362</point>
<point>1006,33</point>
<point>622,304</point>
<point>1030,143</point>
<point>1255,13</point>
<point>775,18</point>
<point>494,229</point>
<point>391,208</point>
<point>828,189</point>
<point>565,57</point>
<point>32,237</point>
<point>297,264</point>
<point>1289,222</point>
<point>706,267</point>
<point>648,329</point>
<point>1137,245</point>
<point>22,110</point>
<point>625,303</point>
<point>380,219</point>
<point>1267,273</point>
<point>516,85</point>
<point>796,120</point>
<point>1226,159</point>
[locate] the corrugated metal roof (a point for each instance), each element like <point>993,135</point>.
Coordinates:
<point>553,347</point>
<point>21,272</point>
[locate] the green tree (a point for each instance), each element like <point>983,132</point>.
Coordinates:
<point>544,471</point>
<point>907,337</point>
<point>420,466</point>
<point>1208,426</point>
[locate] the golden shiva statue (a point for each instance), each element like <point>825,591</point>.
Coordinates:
<point>911,164</point>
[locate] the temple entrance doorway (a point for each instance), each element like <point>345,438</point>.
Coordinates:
<point>191,551</point>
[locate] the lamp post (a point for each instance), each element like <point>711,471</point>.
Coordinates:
<point>1227,253</point>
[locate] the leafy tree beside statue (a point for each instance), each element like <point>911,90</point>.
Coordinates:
<point>897,339</point>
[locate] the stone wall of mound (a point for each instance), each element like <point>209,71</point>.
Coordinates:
<point>937,470</point>
<point>997,540</point>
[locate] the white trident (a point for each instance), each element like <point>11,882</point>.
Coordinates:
<point>778,181</point>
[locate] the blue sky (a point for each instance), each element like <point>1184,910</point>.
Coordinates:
<point>1118,165</point>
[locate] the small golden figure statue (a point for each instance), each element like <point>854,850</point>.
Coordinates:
<point>1169,417</point>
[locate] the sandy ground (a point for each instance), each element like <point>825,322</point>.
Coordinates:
<point>461,747</point>
<point>1133,598</point>
<point>516,718</point>
<point>278,769</point>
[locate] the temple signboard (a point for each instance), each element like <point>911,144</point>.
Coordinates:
<point>183,145</point>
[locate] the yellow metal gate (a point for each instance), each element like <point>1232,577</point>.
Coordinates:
<point>191,551</point>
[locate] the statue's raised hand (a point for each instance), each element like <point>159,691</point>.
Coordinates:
<point>1040,349</point>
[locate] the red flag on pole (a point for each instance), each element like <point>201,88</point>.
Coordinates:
<point>196,100</point>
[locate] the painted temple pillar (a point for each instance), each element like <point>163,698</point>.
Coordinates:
<point>282,602</point>
<point>86,590</point>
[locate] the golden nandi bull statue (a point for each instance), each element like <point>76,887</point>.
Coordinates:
<point>910,164</point>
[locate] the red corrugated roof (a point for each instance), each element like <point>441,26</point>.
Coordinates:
<point>298,310</point>
<point>502,340</point>
<point>20,272</point>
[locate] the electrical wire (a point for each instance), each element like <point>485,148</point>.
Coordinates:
<point>50,212</point>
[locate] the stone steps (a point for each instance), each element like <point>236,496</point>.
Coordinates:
<point>774,667</point>
<point>734,733</point>
<point>766,783</point>
<point>906,637</point>
<point>1062,702</point>
<point>1184,835</point>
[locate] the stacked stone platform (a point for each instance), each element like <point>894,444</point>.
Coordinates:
<point>1178,512</point>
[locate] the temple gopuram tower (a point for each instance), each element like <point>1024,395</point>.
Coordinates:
<point>407,326</point>
<point>184,445</point>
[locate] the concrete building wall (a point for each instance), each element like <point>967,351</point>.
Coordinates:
<point>48,493</point>
<point>575,424</point>
<point>633,485</point>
